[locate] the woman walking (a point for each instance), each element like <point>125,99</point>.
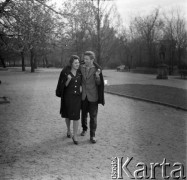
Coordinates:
<point>69,89</point>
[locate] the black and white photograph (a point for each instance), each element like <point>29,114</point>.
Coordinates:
<point>93,89</point>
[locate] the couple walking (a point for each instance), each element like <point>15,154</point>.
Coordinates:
<point>81,88</point>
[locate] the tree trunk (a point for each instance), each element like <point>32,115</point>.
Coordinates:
<point>43,60</point>
<point>14,63</point>
<point>140,56</point>
<point>150,57</point>
<point>127,59</point>
<point>131,64</point>
<point>23,61</point>
<point>32,60</point>
<point>35,62</point>
<point>179,56</point>
<point>46,62</point>
<point>38,62</point>
<point>98,34</point>
<point>2,61</point>
<point>154,56</point>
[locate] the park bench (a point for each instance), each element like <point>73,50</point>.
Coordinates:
<point>183,73</point>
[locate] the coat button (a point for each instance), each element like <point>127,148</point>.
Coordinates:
<point>75,86</point>
<point>75,91</point>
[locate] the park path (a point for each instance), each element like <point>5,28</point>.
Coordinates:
<point>33,143</point>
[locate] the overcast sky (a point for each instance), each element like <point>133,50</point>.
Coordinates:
<point>130,8</point>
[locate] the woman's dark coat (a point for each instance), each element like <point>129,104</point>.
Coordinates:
<point>61,85</point>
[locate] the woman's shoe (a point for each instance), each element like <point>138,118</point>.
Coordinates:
<point>68,134</point>
<point>75,142</point>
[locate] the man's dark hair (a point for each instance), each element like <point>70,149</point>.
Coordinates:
<point>91,54</point>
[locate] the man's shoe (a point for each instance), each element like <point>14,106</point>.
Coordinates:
<point>93,140</point>
<point>83,133</point>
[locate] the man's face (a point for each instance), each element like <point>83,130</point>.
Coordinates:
<point>88,61</point>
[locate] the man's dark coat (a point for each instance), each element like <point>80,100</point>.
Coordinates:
<point>101,99</point>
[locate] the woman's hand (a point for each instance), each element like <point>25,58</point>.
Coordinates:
<point>69,77</point>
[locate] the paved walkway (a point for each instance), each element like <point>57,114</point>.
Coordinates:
<point>33,143</point>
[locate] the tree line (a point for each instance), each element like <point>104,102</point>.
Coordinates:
<point>33,33</point>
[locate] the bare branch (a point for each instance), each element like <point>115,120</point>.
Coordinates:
<point>4,4</point>
<point>51,8</point>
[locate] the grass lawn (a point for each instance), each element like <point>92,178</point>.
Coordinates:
<point>162,94</point>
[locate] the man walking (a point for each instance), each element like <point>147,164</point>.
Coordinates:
<point>92,93</point>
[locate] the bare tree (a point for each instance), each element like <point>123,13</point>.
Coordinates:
<point>175,30</point>
<point>147,29</point>
<point>89,26</point>
<point>2,6</point>
<point>32,27</point>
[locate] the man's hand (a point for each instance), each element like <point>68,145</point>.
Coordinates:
<point>98,81</point>
<point>98,73</point>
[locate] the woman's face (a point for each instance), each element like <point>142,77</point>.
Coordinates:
<point>75,64</point>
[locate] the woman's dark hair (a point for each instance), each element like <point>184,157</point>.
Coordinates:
<point>72,58</point>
